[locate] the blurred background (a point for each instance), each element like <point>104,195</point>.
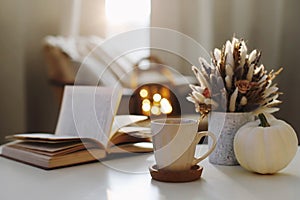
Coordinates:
<point>27,102</point>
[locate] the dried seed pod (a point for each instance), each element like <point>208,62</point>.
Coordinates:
<point>232,101</point>
<point>243,101</point>
<point>250,72</point>
<point>252,56</point>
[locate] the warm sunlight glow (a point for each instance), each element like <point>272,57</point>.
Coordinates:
<point>157,97</point>
<point>164,102</point>
<point>146,101</point>
<point>146,107</point>
<point>127,11</point>
<point>154,102</point>
<point>143,93</point>
<point>166,106</point>
<point>155,110</point>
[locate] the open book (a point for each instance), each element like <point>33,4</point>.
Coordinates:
<point>87,130</point>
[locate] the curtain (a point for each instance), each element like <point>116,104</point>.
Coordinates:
<point>80,17</point>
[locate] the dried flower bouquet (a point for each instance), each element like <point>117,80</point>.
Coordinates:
<point>234,82</point>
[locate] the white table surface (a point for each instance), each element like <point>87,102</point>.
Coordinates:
<point>128,178</point>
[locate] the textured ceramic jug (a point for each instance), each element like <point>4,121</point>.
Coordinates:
<point>224,126</point>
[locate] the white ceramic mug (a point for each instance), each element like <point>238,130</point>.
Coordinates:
<point>174,142</point>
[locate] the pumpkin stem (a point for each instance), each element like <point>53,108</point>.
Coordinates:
<point>263,120</point>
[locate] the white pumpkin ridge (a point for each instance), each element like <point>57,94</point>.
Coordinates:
<point>265,150</point>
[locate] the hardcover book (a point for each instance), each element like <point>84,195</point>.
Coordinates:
<point>87,130</point>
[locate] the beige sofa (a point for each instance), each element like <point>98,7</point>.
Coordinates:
<point>88,61</point>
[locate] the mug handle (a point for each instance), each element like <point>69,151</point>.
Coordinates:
<point>198,137</point>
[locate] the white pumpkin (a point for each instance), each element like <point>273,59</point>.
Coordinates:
<point>265,149</point>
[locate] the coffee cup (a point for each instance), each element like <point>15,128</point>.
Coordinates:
<point>174,142</point>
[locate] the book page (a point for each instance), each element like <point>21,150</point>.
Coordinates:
<point>88,112</point>
<point>41,136</point>
<point>55,149</point>
<point>121,121</point>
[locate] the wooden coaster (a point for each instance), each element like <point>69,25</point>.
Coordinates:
<point>176,176</point>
